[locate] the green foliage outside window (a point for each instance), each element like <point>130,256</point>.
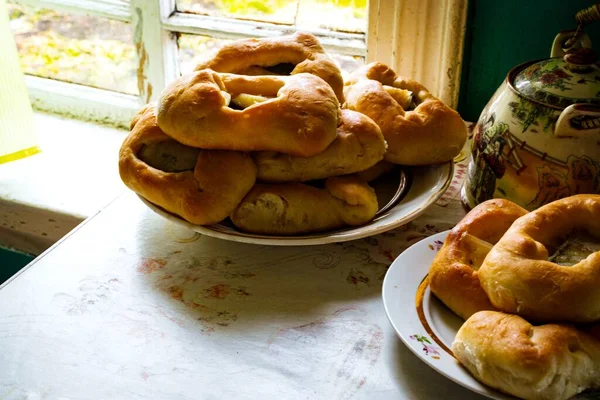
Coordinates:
<point>100,52</point>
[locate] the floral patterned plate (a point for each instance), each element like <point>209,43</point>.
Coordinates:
<point>425,325</point>
<point>403,194</point>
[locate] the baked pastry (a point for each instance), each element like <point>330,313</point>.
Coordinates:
<point>418,128</point>
<point>518,277</point>
<point>201,186</point>
<point>299,115</point>
<point>296,208</point>
<point>453,275</point>
<point>281,55</point>
<point>359,145</point>
<point>546,362</point>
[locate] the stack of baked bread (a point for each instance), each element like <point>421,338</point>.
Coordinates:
<point>266,133</point>
<point>532,325</point>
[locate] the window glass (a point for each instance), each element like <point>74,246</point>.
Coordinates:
<point>194,48</point>
<point>341,15</point>
<point>336,15</point>
<point>281,11</point>
<point>82,49</point>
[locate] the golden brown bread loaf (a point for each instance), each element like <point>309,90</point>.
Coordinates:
<point>201,186</point>
<point>430,133</point>
<point>547,362</point>
<point>453,275</point>
<point>299,118</point>
<point>519,279</point>
<point>290,54</point>
<point>359,145</point>
<point>279,99</point>
<point>295,208</point>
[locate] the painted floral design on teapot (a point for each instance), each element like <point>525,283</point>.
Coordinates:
<point>538,138</point>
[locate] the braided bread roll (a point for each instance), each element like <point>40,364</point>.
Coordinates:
<point>453,275</point>
<point>299,117</point>
<point>359,145</point>
<point>518,277</point>
<point>281,55</point>
<point>201,186</point>
<point>546,362</point>
<point>419,129</point>
<point>295,208</point>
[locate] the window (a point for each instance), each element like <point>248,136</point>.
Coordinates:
<point>103,59</point>
<point>71,48</point>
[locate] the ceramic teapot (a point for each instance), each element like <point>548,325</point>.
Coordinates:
<point>538,138</point>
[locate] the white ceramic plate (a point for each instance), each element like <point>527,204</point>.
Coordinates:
<point>424,323</point>
<point>424,186</point>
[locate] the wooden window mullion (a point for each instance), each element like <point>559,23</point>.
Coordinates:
<point>156,47</point>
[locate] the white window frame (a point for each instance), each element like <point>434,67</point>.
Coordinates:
<point>420,39</point>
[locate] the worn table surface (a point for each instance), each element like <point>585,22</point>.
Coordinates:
<point>130,306</point>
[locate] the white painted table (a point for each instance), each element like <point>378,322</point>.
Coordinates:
<point>130,306</point>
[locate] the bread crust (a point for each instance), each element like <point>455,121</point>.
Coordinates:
<point>359,145</point>
<point>518,278</point>
<point>205,195</point>
<point>301,120</point>
<point>296,208</point>
<point>432,133</point>
<point>546,362</point>
<point>250,56</point>
<point>453,275</point>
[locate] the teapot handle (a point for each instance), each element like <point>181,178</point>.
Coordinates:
<point>578,40</point>
<point>578,120</point>
<point>575,39</point>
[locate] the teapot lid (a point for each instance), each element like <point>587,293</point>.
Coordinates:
<point>562,81</point>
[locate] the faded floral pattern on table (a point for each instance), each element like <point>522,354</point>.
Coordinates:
<point>153,310</point>
<point>206,284</point>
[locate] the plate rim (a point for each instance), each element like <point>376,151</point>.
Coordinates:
<point>336,237</point>
<point>457,373</point>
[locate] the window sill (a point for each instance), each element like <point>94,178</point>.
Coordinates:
<point>43,197</point>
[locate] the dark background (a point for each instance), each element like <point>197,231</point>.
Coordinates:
<point>504,33</point>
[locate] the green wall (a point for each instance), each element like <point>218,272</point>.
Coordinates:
<point>504,33</point>
<point>11,262</point>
